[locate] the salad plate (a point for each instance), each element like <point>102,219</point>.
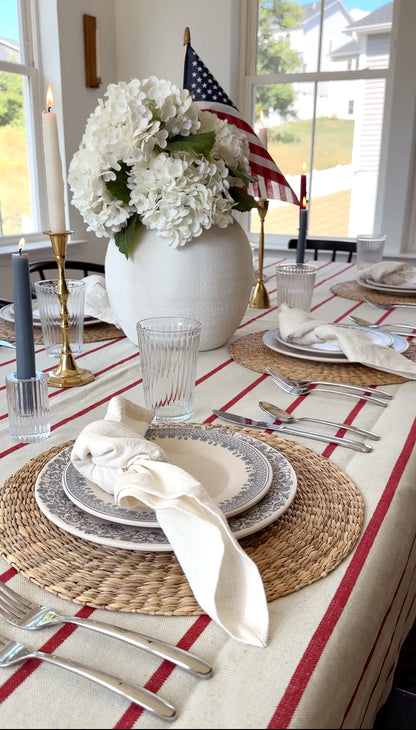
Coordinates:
<point>385,288</point>
<point>281,346</point>
<point>58,508</point>
<point>379,338</point>
<point>232,470</point>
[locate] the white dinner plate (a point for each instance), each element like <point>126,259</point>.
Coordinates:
<point>386,288</point>
<point>56,506</point>
<point>7,313</point>
<point>270,340</point>
<point>234,473</point>
<point>379,338</point>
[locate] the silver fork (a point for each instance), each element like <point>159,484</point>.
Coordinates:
<point>26,614</point>
<point>13,652</point>
<point>303,387</point>
<point>386,307</point>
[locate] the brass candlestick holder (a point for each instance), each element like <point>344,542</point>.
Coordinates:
<point>260,297</point>
<point>67,374</point>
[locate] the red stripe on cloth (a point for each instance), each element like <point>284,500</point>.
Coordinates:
<point>133,713</point>
<point>379,633</point>
<point>299,681</point>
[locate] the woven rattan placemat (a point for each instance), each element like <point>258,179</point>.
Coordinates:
<point>353,290</point>
<point>92,333</point>
<point>251,352</point>
<point>320,528</point>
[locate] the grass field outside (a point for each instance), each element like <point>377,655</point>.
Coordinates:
<point>328,216</point>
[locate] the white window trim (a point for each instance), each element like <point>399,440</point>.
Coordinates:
<point>395,213</point>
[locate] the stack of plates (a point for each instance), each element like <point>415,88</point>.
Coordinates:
<point>251,482</point>
<point>7,313</point>
<point>329,351</point>
<point>369,283</point>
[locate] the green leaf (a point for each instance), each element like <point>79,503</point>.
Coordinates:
<point>118,187</point>
<point>244,201</point>
<point>197,144</point>
<point>244,176</point>
<point>125,239</point>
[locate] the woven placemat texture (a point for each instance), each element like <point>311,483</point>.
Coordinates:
<point>353,290</point>
<point>252,353</point>
<point>92,332</point>
<point>320,528</point>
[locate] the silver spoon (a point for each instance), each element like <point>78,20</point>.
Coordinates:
<point>286,417</point>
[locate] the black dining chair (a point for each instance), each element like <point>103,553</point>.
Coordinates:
<point>41,268</point>
<point>345,246</point>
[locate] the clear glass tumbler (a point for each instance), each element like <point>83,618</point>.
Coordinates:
<point>295,283</point>
<point>168,354</point>
<point>369,250</point>
<point>48,306</point>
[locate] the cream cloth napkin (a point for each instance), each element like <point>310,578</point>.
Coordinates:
<point>97,303</point>
<point>300,327</point>
<point>114,454</point>
<point>394,273</point>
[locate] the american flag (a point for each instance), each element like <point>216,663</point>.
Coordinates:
<point>208,94</point>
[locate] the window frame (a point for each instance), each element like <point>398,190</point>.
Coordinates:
<point>396,180</point>
<point>30,70</point>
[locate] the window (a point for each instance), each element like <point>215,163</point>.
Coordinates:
<point>320,74</point>
<point>20,122</point>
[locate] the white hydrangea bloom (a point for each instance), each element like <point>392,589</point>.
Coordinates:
<point>179,194</point>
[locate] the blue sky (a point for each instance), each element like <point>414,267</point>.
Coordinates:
<point>8,20</point>
<point>367,5</point>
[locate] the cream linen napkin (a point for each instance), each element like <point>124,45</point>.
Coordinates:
<point>394,273</point>
<point>97,303</point>
<point>114,454</point>
<point>300,327</point>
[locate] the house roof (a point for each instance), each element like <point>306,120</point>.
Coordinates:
<point>381,16</point>
<point>8,49</point>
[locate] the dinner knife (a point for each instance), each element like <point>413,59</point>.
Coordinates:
<point>266,426</point>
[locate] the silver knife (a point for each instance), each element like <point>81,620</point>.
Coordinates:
<point>266,426</point>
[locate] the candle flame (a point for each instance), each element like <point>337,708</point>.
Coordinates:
<point>304,201</point>
<point>261,117</point>
<point>304,166</point>
<point>21,245</point>
<point>49,98</point>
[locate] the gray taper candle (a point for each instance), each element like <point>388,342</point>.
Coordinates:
<point>23,317</point>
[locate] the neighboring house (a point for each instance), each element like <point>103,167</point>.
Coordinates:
<point>9,50</point>
<point>304,39</point>
<point>347,45</point>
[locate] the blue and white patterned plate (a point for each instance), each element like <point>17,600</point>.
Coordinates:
<point>54,503</point>
<point>234,473</point>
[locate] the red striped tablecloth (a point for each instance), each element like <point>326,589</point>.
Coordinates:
<point>333,644</point>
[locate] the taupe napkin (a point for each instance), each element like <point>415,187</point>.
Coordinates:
<point>97,303</point>
<point>115,454</point>
<point>395,273</point>
<point>302,328</point>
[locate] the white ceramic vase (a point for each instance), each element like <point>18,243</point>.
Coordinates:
<point>208,279</point>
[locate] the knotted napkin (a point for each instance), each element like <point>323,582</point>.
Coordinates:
<point>97,303</point>
<point>302,328</point>
<point>394,273</point>
<point>115,454</point>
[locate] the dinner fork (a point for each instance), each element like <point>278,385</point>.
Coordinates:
<point>386,307</point>
<point>303,387</point>
<point>26,614</point>
<point>13,652</point>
